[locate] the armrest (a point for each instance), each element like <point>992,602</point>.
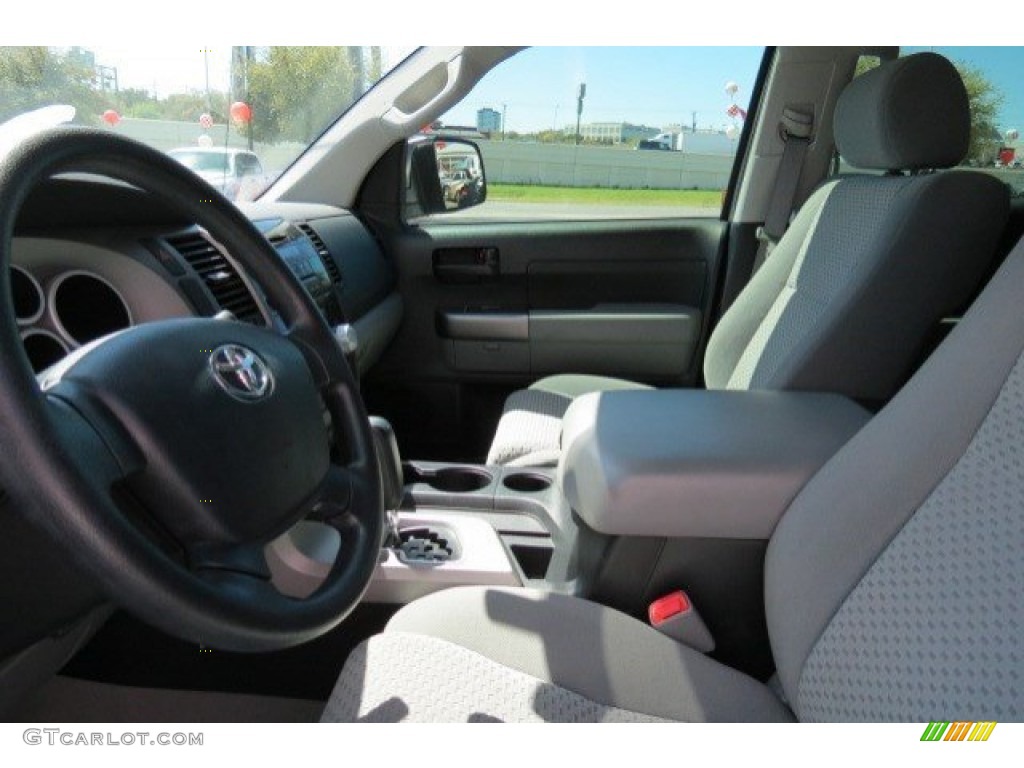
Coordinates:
<point>682,463</point>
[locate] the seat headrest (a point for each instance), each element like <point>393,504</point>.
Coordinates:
<point>906,114</point>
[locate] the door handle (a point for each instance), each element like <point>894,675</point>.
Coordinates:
<point>467,265</point>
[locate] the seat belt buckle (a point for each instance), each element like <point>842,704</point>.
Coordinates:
<point>674,615</point>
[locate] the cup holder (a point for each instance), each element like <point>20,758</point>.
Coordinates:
<point>455,479</point>
<point>526,482</point>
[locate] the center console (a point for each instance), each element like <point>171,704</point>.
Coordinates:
<point>448,525</point>
<point>655,491</point>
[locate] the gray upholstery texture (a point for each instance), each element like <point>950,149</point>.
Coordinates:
<point>944,603</point>
<point>611,660</point>
<point>848,299</point>
<point>911,113</point>
<point>837,256</point>
<point>530,427</point>
<point>918,447</point>
<point>885,260</point>
<point>737,328</point>
<point>401,677</point>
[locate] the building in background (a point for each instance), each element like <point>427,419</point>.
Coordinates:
<point>616,133</point>
<point>488,121</point>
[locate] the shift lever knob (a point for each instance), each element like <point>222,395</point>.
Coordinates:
<point>392,481</point>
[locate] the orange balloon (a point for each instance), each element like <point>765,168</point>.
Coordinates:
<point>241,112</point>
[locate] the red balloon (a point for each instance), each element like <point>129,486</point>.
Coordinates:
<point>241,112</point>
<point>111,118</point>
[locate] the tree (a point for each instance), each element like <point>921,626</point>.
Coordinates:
<point>33,77</point>
<point>376,65</point>
<point>296,92</point>
<point>189,106</point>
<point>984,99</point>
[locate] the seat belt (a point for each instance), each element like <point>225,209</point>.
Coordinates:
<point>796,128</point>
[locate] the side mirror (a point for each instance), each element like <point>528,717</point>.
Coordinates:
<point>443,174</point>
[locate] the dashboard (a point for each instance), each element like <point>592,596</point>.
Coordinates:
<point>92,256</point>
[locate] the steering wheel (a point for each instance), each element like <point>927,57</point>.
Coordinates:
<point>165,457</point>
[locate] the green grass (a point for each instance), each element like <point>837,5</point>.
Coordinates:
<point>521,193</point>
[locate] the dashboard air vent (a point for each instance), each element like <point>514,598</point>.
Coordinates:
<point>325,256</point>
<point>220,276</point>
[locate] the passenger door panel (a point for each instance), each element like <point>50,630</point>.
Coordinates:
<point>490,307</point>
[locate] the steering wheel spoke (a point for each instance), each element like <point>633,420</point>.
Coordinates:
<point>237,557</point>
<point>344,504</point>
<point>93,443</point>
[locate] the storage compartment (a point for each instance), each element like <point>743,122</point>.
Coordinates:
<point>450,479</point>
<point>532,554</point>
<point>627,339</point>
<point>526,482</point>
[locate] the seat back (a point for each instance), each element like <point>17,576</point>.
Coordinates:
<point>850,296</point>
<point>893,582</point>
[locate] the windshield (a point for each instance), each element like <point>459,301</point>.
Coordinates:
<point>271,100</point>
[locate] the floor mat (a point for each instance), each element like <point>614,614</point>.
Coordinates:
<point>128,652</point>
<point>68,700</point>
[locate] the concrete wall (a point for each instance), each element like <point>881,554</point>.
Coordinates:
<point>565,165</point>
<point>169,134</point>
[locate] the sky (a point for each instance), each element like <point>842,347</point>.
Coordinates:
<point>178,68</point>
<point>652,86</point>
<point>537,89</point>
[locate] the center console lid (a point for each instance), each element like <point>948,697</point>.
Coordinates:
<point>696,463</point>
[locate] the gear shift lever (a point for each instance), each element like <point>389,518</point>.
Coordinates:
<point>392,481</point>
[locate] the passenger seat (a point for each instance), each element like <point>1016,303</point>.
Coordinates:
<point>850,295</point>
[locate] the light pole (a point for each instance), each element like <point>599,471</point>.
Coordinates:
<point>579,110</point>
<point>206,67</point>
<point>504,111</point>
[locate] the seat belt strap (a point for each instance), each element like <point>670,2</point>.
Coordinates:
<point>796,128</point>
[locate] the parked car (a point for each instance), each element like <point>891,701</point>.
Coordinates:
<point>237,173</point>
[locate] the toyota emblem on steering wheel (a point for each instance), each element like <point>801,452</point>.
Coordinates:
<point>241,372</point>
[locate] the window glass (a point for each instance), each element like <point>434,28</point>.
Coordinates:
<point>200,104</point>
<point>593,133</point>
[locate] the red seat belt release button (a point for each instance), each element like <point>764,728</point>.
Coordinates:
<point>664,608</point>
<point>675,616</point>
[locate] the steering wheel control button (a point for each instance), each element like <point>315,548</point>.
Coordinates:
<point>241,373</point>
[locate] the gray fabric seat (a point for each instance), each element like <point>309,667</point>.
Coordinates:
<point>849,297</point>
<point>892,585</point>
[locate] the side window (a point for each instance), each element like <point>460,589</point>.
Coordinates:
<point>996,97</point>
<point>594,133</point>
